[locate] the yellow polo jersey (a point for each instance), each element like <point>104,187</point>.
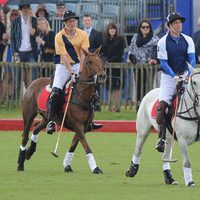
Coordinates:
<point>71,47</point>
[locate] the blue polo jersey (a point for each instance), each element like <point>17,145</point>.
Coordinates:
<point>176,52</point>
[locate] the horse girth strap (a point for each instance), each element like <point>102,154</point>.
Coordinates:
<point>83,106</point>
<point>192,119</point>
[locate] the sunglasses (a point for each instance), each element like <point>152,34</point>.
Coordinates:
<point>61,7</point>
<point>143,27</point>
<point>14,14</point>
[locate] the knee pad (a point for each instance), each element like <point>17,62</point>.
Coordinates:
<point>161,112</point>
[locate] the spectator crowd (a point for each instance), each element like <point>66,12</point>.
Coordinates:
<point>27,36</point>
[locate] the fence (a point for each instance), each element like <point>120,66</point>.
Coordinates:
<point>134,81</point>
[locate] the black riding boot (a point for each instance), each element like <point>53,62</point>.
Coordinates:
<point>161,121</point>
<point>53,106</point>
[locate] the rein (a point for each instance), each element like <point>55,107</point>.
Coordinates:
<point>91,80</point>
<point>195,98</point>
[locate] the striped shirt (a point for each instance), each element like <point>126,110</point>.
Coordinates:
<point>71,46</point>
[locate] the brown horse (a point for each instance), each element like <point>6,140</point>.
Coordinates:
<point>79,115</point>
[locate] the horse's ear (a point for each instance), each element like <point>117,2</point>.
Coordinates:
<point>98,50</point>
<point>193,70</point>
<point>85,52</point>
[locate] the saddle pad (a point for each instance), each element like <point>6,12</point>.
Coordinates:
<point>153,111</point>
<point>43,98</point>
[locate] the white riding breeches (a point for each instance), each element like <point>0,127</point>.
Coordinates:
<point>167,88</point>
<point>62,74</point>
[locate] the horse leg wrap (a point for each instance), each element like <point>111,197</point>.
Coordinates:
<point>30,151</point>
<point>188,177</point>
<point>21,159</point>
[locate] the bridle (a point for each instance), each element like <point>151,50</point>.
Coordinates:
<point>195,97</point>
<point>92,80</point>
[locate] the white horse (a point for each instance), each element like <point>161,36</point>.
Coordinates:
<point>187,128</point>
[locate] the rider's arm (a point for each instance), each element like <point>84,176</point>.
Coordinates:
<point>167,69</point>
<point>192,59</point>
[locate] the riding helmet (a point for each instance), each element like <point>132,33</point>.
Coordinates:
<point>69,14</point>
<point>174,16</point>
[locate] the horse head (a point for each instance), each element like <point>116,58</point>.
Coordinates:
<point>93,67</point>
<point>194,81</point>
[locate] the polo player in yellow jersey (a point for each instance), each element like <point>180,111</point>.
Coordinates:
<point>68,59</point>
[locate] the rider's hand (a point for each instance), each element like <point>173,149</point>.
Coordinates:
<point>74,77</point>
<point>184,76</point>
<point>177,79</point>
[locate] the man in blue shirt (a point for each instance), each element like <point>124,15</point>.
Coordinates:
<point>174,51</point>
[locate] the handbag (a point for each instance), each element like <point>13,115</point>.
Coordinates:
<point>132,58</point>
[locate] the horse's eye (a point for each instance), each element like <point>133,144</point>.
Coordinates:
<point>194,82</point>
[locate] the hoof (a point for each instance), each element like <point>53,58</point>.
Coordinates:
<point>68,169</point>
<point>191,184</point>
<point>97,171</point>
<point>168,178</point>
<point>20,168</point>
<point>132,171</point>
<point>30,150</point>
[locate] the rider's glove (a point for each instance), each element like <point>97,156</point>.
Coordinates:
<point>184,76</point>
<point>74,77</point>
<point>177,78</point>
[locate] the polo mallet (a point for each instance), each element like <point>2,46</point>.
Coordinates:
<point>54,153</point>
<point>173,133</point>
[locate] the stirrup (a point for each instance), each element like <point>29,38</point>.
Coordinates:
<point>50,128</point>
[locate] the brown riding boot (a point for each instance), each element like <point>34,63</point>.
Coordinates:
<point>161,121</point>
<point>160,146</point>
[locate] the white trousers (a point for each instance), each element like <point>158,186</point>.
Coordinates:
<point>167,88</point>
<point>62,74</point>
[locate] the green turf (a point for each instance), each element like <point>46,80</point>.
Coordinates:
<point>44,178</point>
<point>125,114</point>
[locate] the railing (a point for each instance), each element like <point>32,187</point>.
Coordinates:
<point>133,81</point>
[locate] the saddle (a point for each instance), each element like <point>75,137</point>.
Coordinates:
<point>170,113</point>
<point>44,96</point>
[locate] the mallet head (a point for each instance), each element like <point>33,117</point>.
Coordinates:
<point>54,154</point>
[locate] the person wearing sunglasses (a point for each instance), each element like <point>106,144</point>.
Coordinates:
<point>143,50</point>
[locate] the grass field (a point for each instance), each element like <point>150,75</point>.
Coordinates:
<point>125,114</point>
<point>44,178</point>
